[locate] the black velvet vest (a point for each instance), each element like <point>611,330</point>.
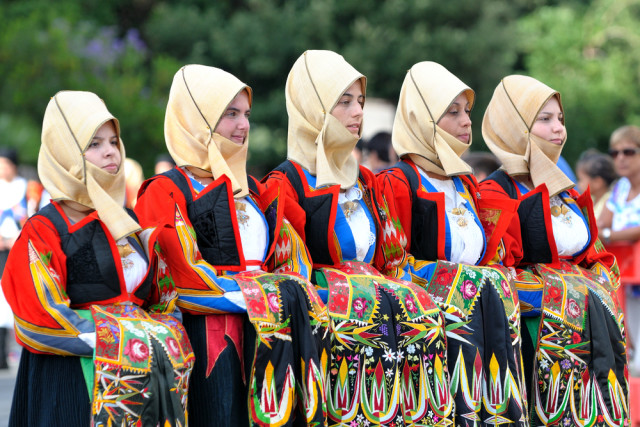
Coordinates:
<point>424,219</point>
<point>533,228</point>
<point>210,216</point>
<point>318,210</point>
<point>92,275</point>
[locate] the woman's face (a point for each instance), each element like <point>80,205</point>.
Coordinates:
<point>104,149</point>
<point>549,123</point>
<point>456,121</point>
<point>348,110</point>
<point>626,158</point>
<point>234,124</point>
<point>596,184</point>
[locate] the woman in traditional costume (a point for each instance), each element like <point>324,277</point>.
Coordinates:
<point>94,303</point>
<point>574,346</point>
<point>388,348</point>
<point>435,196</point>
<point>234,253</point>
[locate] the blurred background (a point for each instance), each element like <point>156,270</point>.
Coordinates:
<point>128,51</point>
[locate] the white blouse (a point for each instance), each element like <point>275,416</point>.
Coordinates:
<point>134,265</point>
<point>253,231</point>
<point>569,229</point>
<point>467,238</point>
<point>350,203</point>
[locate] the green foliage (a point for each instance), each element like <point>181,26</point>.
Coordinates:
<point>128,52</point>
<point>260,40</point>
<point>591,55</point>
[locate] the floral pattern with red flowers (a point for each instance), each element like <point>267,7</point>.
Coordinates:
<point>564,361</point>
<point>172,346</point>
<point>136,350</point>
<point>505,288</point>
<point>410,304</point>
<point>573,309</point>
<point>565,295</point>
<point>468,289</point>
<point>141,336</point>
<point>273,302</point>
<point>360,306</point>
<point>392,330</point>
<point>276,345</point>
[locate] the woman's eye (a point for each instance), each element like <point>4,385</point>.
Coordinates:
<point>93,144</point>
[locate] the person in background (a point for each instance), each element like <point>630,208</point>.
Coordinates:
<point>13,214</point>
<point>574,340</point>
<point>164,162</point>
<point>620,218</point>
<point>595,170</point>
<point>94,302</point>
<point>435,196</point>
<point>483,163</point>
<point>380,152</point>
<point>133,178</point>
<point>257,326</point>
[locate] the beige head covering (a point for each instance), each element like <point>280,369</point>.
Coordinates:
<point>317,140</point>
<point>198,98</point>
<point>506,128</point>
<point>428,91</point>
<point>70,122</point>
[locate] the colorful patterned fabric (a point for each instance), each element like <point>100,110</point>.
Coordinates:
<point>580,366</point>
<point>286,371</point>
<point>388,351</point>
<point>145,348</point>
<point>388,348</point>
<point>292,349</point>
<point>143,363</point>
<point>482,315</point>
<point>576,368</point>
<point>479,303</point>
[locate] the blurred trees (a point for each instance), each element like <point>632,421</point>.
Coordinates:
<point>128,51</point>
<point>591,54</point>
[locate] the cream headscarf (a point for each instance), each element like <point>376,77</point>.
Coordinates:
<point>70,123</point>
<point>198,98</point>
<point>317,140</point>
<point>506,128</point>
<point>428,91</point>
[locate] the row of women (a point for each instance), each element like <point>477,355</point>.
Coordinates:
<point>323,294</point>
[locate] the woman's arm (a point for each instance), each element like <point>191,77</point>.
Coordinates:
<point>504,244</point>
<point>161,205</point>
<point>607,235</point>
<point>34,284</point>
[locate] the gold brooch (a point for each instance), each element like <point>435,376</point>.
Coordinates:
<point>241,214</point>
<point>125,250</point>
<point>348,208</point>
<point>559,210</point>
<point>462,222</point>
